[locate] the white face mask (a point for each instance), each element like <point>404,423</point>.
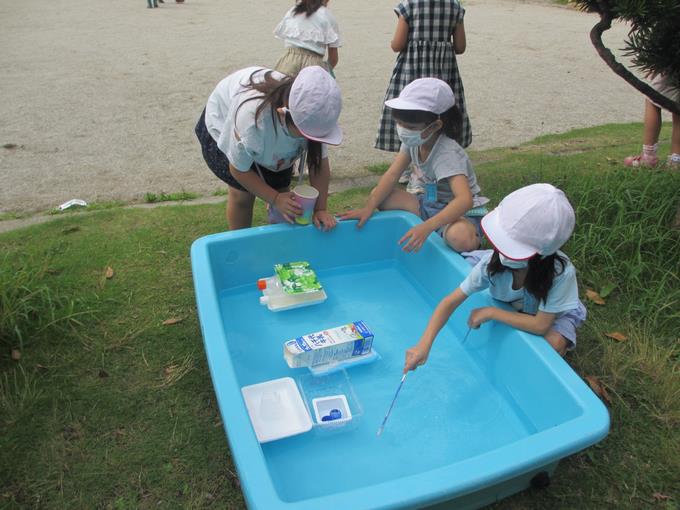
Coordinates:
<point>513,264</point>
<point>411,137</point>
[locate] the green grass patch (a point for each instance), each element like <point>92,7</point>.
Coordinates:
<point>110,408</point>
<point>179,196</point>
<point>12,216</point>
<point>378,168</point>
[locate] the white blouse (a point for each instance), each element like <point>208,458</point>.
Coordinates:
<point>239,137</point>
<point>313,33</point>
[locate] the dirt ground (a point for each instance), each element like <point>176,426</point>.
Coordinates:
<point>99,99</point>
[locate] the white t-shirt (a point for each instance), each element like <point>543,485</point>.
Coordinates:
<point>313,33</point>
<point>244,142</point>
<point>446,159</point>
<point>562,296</point>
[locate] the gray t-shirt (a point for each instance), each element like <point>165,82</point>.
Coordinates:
<point>447,159</point>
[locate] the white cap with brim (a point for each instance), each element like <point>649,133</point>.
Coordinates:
<point>315,105</point>
<point>535,219</point>
<point>425,94</point>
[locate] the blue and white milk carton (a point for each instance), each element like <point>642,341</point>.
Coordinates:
<point>335,344</point>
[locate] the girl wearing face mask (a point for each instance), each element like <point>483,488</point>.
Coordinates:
<point>429,126</point>
<point>256,125</point>
<point>525,269</point>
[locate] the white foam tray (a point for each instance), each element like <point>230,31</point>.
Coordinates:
<point>276,409</point>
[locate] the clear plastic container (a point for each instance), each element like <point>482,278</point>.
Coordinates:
<point>323,395</point>
<point>276,299</point>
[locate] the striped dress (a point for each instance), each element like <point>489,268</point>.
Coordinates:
<point>429,54</point>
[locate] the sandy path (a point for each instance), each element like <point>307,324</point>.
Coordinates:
<point>101,97</point>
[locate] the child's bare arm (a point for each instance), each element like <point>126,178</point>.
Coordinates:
<point>333,57</point>
<point>461,203</point>
<point>459,42</point>
<point>400,39</point>
<point>417,355</point>
<point>383,189</point>
<point>538,324</point>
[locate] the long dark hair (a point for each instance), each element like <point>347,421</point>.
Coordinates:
<point>452,119</point>
<point>540,274</point>
<point>275,94</point>
<point>309,7</point>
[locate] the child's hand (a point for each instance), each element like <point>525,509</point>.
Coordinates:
<point>415,356</point>
<point>362,215</point>
<point>479,316</point>
<point>287,206</point>
<point>324,220</point>
<point>415,237</point>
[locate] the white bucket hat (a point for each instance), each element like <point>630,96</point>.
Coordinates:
<point>426,94</point>
<point>533,219</point>
<point>315,105</point>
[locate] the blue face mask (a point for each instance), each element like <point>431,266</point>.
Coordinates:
<point>284,124</point>
<point>513,264</point>
<point>412,137</point>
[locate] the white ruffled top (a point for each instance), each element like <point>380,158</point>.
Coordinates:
<point>313,33</point>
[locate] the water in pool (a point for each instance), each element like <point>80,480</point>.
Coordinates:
<point>447,410</point>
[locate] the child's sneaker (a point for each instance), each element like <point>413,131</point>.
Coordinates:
<point>673,163</point>
<point>415,188</point>
<point>641,160</point>
<point>406,176</point>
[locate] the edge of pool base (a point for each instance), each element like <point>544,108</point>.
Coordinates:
<point>538,478</point>
<point>477,481</point>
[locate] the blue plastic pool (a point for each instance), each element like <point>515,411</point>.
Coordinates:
<point>472,426</point>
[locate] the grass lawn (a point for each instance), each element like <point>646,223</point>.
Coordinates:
<point>108,407</point>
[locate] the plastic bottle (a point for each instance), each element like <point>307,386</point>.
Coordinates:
<point>276,299</point>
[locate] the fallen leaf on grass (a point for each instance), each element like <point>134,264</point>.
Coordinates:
<point>660,497</point>
<point>598,388</point>
<point>173,320</point>
<point>616,335</point>
<point>594,297</point>
<point>109,272</point>
<point>16,354</point>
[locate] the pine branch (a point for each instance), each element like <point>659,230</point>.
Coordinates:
<point>602,26</point>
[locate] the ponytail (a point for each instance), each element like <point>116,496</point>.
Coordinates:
<point>309,7</point>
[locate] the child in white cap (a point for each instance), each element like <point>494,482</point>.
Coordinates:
<point>429,127</point>
<point>256,124</point>
<point>525,269</point>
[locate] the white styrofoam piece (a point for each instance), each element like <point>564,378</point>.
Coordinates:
<point>276,409</point>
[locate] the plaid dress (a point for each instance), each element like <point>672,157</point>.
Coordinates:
<point>429,54</point>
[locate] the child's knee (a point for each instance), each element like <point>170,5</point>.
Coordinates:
<point>240,199</point>
<point>462,236</point>
<point>557,341</point>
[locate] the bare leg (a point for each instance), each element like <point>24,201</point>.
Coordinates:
<point>400,200</point>
<point>675,137</point>
<point>461,235</point>
<point>239,209</point>
<point>558,342</point>
<point>652,123</point>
